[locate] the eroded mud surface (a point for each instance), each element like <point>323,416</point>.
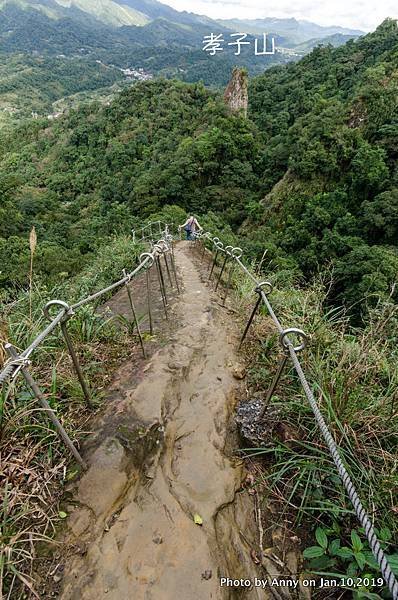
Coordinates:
<point>164,463</point>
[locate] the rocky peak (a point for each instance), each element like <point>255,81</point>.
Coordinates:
<point>236,95</point>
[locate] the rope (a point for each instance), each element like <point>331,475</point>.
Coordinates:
<point>362,516</point>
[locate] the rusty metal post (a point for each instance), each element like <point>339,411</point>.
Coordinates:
<point>45,405</point>
<point>162,280</point>
<point>76,364</point>
<point>204,249</point>
<point>250,320</point>
<point>215,241</point>
<point>173,266</point>
<point>130,297</point>
<point>285,343</point>
<point>230,273</point>
<point>167,269</point>
<point>235,253</point>
<point>70,346</point>
<point>214,262</point>
<point>259,290</point>
<point>164,300</point>
<point>275,381</point>
<point>227,255</point>
<point>149,299</point>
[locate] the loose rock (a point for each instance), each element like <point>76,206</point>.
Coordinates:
<point>239,372</point>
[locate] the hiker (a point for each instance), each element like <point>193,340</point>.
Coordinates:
<point>191,225</point>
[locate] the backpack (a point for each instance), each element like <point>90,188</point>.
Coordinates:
<point>188,226</point>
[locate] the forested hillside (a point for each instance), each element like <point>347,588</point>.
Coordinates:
<point>310,175</point>
<point>307,185</point>
<point>82,45</point>
<point>329,133</point>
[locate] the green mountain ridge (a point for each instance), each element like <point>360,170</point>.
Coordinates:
<point>335,40</point>
<point>294,31</point>
<point>311,176</point>
<point>108,12</point>
<point>104,11</point>
<point>125,34</point>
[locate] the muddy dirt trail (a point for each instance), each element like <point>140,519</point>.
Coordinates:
<point>133,524</point>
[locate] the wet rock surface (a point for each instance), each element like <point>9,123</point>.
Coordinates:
<point>168,527</point>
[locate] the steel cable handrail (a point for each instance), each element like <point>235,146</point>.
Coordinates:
<point>20,362</point>
<point>111,287</point>
<point>377,551</point>
<point>13,365</point>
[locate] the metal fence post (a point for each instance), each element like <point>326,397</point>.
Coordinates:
<point>70,347</point>
<point>173,264</point>
<point>162,292</point>
<point>258,290</point>
<point>167,269</point>
<point>211,262</point>
<point>235,253</point>
<point>220,247</point>
<point>45,405</point>
<point>148,288</point>
<point>227,256</point>
<point>162,279</point>
<point>130,297</point>
<point>282,362</point>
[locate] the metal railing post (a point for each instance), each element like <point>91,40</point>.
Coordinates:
<point>76,364</point>
<point>203,249</point>
<point>164,298</point>
<point>220,248</point>
<point>168,270</point>
<point>149,288</point>
<point>283,361</point>
<point>211,262</point>
<point>173,264</point>
<point>70,346</point>
<point>258,290</point>
<point>227,256</point>
<point>45,405</point>
<point>134,313</point>
<point>236,253</point>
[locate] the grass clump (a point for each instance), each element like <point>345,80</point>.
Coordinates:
<point>34,463</point>
<point>354,374</point>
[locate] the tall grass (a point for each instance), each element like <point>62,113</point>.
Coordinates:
<point>354,375</point>
<point>34,463</point>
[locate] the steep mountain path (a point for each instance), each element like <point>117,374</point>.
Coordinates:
<point>133,529</point>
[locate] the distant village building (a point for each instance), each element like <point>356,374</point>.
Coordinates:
<point>140,74</point>
<point>236,95</point>
<point>55,115</point>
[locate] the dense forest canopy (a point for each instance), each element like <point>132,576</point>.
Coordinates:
<point>311,175</point>
<point>329,163</point>
<point>51,49</point>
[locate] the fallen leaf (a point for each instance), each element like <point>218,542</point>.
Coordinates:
<point>62,514</point>
<point>198,519</point>
<point>207,574</point>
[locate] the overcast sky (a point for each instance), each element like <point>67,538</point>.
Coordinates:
<point>356,14</point>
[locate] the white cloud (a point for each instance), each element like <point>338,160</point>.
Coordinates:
<point>357,14</point>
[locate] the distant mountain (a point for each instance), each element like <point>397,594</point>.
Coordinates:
<point>104,37</point>
<point>335,40</point>
<point>115,13</point>
<point>103,11</point>
<point>294,31</point>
